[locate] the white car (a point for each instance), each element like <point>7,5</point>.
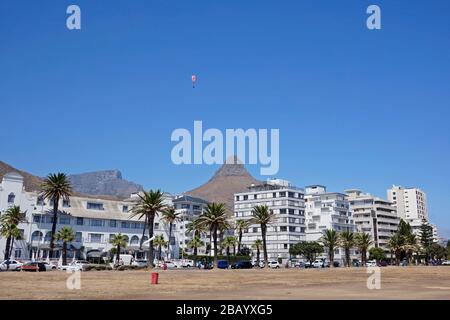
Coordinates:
<point>319,263</point>
<point>139,263</point>
<point>261,263</point>
<point>48,266</point>
<point>77,265</point>
<point>446,263</point>
<point>371,263</point>
<point>274,264</point>
<point>14,265</point>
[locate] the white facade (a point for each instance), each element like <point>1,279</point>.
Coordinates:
<point>287,203</point>
<point>411,203</point>
<point>327,210</point>
<point>373,215</point>
<point>94,220</point>
<point>189,209</point>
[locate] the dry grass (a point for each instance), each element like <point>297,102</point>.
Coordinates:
<point>341,283</point>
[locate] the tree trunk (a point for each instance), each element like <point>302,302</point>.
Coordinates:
<point>143,234</point>
<point>263,233</point>
<point>118,255</point>
<point>347,257</point>
<point>64,252</point>
<point>239,242</point>
<point>8,247</point>
<point>214,235</point>
<point>257,256</point>
<point>331,256</point>
<point>234,250</point>
<point>228,254</point>
<point>55,220</point>
<point>150,263</point>
<point>168,243</point>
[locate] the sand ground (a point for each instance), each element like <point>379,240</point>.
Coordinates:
<point>340,283</point>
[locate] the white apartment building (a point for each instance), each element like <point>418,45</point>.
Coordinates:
<point>373,215</point>
<point>94,221</point>
<point>411,203</point>
<point>189,209</point>
<point>327,210</point>
<point>287,203</point>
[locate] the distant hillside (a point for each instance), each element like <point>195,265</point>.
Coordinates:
<point>228,180</point>
<point>31,182</point>
<point>109,183</point>
<point>102,184</point>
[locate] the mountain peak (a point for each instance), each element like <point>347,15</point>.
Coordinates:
<point>232,167</point>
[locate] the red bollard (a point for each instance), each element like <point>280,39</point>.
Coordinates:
<point>155,277</point>
<point>164,266</point>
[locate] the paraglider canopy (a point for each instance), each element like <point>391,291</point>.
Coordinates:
<point>194,80</point>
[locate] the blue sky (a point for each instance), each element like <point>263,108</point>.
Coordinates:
<point>355,108</point>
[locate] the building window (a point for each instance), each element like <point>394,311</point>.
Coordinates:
<point>48,237</point>
<point>134,240</point>
<point>112,223</point>
<point>185,206</point>
<point>66,203</point>
<point>11,198</point>
<point>282,211</point>
<point>78,236</point>
<point>95,237</point>
<point>125,209</point>
<point>80,221</point>
<point>96,223</point>
<point>64,220</point>
<point>94,206</point>
<point>283,228</point>
<point>36,236</point>
<point>40,201</point>
<point>125,225</point>
<point>36,219</point>
<point>156,226</point>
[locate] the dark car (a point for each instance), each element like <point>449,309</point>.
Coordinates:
<point>34,267</point>
<point>382,264</point>
<point>242,265</point>
<point>222,264</point>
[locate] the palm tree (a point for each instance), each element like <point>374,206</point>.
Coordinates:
<point>363,242</point>
<point>347,240</point>
<point>119,241</point>
<point>149,205</point>
<point>197,229</point>
<point>65,235</point>
<point>169,216</point>
<point>330,240</point>
<point>12,217</point>
<point>411,243</point>
<point>257,245</point>
<point>55,187</point>
<point>263,216</point>
<point>195,243</point>
<point>215,218</point>
<point>395,244</point>
<point>241,225</point>
<point>227,243</point>
<point>159,243</point>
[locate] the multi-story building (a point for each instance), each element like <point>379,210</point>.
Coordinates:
<point>189,209</point>
<point>411,203</point>
<point>373,215</point>
<point>93,220</point>
<point>327,210</point>
<point>287,203</point>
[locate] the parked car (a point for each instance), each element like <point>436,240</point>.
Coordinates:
<point>14,265</point>
<point>34,267</point>
<point>308,265</point>
<point>77,265</point>
<point>170,265</point>
<point>320,263</point>
<point>187,263</point>
<point>446,263</point>
<point>274,264</point>
<point>371,263</point>
<point>242,265</point>
<point>222,264</point>
<point>382,264</point>
<point>300,264</point>
<point>48,266</point>
<point>255,263</point>
<point>139,263</point>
